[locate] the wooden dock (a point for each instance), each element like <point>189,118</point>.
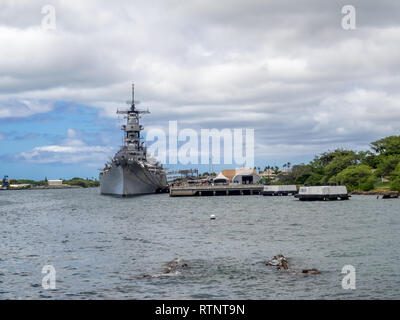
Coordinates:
<point>216,190</point>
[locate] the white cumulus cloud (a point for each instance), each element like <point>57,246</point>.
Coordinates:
<point>286,69</point>
<point>68,151</point>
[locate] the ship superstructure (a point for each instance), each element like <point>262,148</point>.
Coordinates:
<point>130,172</point>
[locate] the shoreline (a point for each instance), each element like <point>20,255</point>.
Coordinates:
<point>375,193</point>
<point>355,192</point>
<point>46,188</point>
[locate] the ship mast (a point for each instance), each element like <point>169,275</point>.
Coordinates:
<point>132,129</point>
<point>133,98</point>
<point>133,108</point>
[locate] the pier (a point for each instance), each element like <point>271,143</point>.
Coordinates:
<point>280,190</point>
<point>216,190</point>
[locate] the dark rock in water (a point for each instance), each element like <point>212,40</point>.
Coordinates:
<point>310,271</point>
<point>390,195</point>
<point>170,268</point>
<point>175,265</point>
<point>144,276</point>
<point>279,261</point>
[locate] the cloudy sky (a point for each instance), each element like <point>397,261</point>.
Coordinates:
<point>285,68</point>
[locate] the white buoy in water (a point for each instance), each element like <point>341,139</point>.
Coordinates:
<point>212,217</point>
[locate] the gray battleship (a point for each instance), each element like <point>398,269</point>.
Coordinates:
<point>131,171</point>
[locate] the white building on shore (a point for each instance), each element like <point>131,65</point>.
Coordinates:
<point>55,182</point>
<point>246,176</point>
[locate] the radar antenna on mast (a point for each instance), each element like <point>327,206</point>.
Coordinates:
<point>133,97</point>
<point>133,102</point>
<point>133,105</point>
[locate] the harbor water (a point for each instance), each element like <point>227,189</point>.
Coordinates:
<point>117,248</point>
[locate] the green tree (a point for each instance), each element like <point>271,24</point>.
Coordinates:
<point>387,146</point>
<point>353,176</point>
<point>396,172</point>
<point>339,163</point>
<point>368,158</point>
<point>327,157</point>
<point>314,179</point>
<point>395,179</point>
<point>301,172</point>
<point>369,184</point>
<point>285,178</point>
<point>395,185</point>
<point>387,165</point>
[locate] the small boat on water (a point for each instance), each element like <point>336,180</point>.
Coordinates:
<point>280,190</point>
<point>323,193</point>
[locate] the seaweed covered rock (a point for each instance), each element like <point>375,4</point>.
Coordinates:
<point>310,271</point>
<point>169,269</point>
<point>279,261</point>
<point>175,265</point>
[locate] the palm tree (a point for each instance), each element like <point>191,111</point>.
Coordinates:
<point>276,170</point>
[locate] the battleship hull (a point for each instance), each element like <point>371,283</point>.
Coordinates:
<point>131,180</point>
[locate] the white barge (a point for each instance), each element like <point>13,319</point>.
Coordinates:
<point>323,193</point>
<point>280,190</point>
